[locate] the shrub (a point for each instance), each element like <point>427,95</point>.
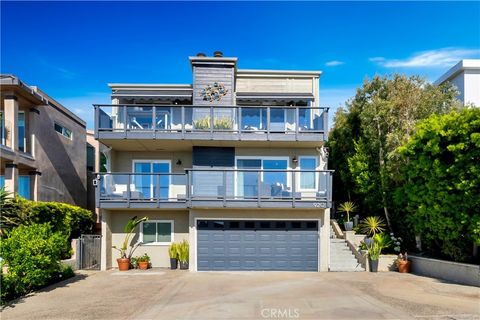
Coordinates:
<point>32,254</point>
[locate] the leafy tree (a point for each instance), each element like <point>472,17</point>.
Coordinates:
<point>379,119</point>
<point>441,183</point>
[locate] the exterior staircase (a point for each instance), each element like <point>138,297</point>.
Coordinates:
<point>341,257</point>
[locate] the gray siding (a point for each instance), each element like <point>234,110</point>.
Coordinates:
<point>207,75</point>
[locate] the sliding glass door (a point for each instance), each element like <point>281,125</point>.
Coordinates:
<point>148,186</point>
<point>271,184</point>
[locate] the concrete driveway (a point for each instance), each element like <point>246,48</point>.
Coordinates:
<point>165,294</point>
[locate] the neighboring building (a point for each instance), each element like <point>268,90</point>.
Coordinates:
<point>234,163</point>
<point>465,75</point>
<point>42,146</point>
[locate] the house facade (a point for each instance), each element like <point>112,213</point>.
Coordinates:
<point>233,163</point>
<point>465,76</point>
<point>43,148</point>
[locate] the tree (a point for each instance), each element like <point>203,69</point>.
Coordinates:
<point>379,119</point>
<point>441,183</point>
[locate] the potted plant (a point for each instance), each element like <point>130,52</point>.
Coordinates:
<point>143,262</point>
<point>347,207</point>
<point>183,254</point>
<point>403,263</point>
<point>129,230</point>
<point>173,253</point>
<point>380,242</point>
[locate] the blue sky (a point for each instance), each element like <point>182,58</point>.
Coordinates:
<point>71,50</point>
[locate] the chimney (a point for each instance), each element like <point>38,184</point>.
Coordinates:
<point>201,54</point>
<point>218,54</point>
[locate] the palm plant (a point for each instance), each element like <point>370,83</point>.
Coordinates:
<point>347,207</point>
<point>129,230</point>
<point>173,251</point>
<point>372,225</point>
<point>380,242</point>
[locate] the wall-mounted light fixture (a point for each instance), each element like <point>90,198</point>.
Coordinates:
<point>294,159</point>
<point>179,162</point>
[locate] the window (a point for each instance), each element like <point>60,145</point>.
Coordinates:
<point>21,132</point>
<point>307,179</point>
<point>2,181</point>
<point>24,186</point>
<point>63,131</point>
<point>157,232</point>
<point>147,185</point>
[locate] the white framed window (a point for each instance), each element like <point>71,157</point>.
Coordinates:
<point>147,184</point>
<point>308,180</point>
<point>67,133</point>
<point>157,232</point>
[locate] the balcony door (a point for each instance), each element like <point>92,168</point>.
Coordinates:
<point>147,185</point>
<point>271,184</point>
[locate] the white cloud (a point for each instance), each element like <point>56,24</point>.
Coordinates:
<point>444,57</point>
<point>334,63</point>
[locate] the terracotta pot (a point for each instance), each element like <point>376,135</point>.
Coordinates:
<point>404,266</point>
<point>143,265</point>
<point>123,264</point>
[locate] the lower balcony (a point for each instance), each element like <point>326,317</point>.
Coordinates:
<point>216,188</point>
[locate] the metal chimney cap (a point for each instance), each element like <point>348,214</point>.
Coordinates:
<point>218,54</point>
<point>201,54</point>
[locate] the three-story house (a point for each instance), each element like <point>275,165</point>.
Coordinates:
<point>234,163</point>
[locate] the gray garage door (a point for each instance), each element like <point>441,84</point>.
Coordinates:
<point>257,245</point>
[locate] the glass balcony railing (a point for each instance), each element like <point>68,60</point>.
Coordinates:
<point>217,186</point>
<point>218,119</point>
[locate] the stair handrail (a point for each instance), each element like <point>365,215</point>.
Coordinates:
<point>336,228</point>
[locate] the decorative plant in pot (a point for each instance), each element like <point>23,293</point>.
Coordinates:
<point>143,262</point>
<point>173,253</point>
<point>403,263</point>
<point>129,230</point>
<point>347,207</point>
<point>183,254</point>
<point>380,242</point>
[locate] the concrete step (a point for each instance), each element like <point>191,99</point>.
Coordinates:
<point>342,258</point>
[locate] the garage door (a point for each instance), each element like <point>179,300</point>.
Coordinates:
<point>257,245</point>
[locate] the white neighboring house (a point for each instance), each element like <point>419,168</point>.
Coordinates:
<point>465,75</point>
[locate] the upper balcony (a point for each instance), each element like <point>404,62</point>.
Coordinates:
<point>220,123</point>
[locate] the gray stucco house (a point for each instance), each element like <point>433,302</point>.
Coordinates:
<point>42,145</point>
<point>233,162</point>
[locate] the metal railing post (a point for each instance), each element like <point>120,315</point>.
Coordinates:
<point>297,122</point>
<point>97,121</point>
<point>183,122</point>
<point>259,185</point>
<point>154,121</point>
<point>128,190</point>
<point>189,188</point>
<point>224,188</point>
<point>125,120</point>
<point>268,122</point>
<point>294,188</point>
<point>240,123</point>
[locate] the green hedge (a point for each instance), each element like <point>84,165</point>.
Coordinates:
<point>32,256</point>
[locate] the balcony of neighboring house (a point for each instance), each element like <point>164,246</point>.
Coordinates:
<point>220,188</point>
<point>220,123</point>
